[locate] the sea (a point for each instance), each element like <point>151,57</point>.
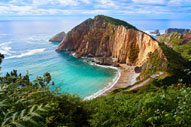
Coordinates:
<point>27,49</point>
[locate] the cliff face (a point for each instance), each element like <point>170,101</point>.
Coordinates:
<point>58,37</point>
<point>110,42</point>
<point>182,31</point>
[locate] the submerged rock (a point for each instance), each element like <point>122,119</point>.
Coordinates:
<point>58,37</point>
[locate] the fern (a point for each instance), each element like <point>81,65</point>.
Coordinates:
<point>11,100</point>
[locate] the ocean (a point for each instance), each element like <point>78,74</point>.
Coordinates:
<point>26,48</point>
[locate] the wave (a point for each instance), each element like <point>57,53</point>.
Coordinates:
<point>28,53</point>
<point>5,48</point>
<point>39,38</point>
<point>108,87</point>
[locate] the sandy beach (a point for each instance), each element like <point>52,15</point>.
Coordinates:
<point>127,78</point>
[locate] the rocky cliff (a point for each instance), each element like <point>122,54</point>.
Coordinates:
<point>182,31</point>
<point>112,41</point>
<point>58,37</point>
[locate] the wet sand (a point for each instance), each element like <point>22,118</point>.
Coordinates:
<point>127,78</point>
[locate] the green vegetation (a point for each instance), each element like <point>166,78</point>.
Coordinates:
<point>25,103</point>
<point>150,106</point>
<point>175,41</point>
<point>184,50</point>
<point>172,39</point>
<point>154,64</point>
<point>164,102</point>
<point>133,52</point>
<point>117,22</point>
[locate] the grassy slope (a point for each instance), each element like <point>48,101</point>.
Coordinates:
<point>175,40</point>
<point>117,22</point>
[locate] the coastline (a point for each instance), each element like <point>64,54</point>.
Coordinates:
<point>106,88</point>
<point>125,77</point>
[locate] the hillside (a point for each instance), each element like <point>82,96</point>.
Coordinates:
<point>181,43</point>
<point>113,42</point>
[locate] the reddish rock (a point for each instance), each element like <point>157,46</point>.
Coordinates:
<point>112,43</point>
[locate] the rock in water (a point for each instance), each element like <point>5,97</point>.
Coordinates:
<point>182,31</point>
<point>111,41</point>
<point>58,37</point>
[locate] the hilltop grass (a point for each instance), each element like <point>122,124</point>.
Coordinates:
<point>117,22</point>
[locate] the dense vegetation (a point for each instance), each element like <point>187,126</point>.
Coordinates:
<point>117,22</point>
<point>32,104</point>
<point>164,102</point>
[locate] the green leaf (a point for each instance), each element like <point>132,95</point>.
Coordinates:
<point>22,113</point>
<point>18,124</point>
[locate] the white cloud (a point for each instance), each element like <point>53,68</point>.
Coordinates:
<point>106,4</point>
<point>42,2</point>
<point>149,1</point>
<point>59,2</point>
<point>68,2</point>
<point>180,2</point>
<point>95,12</point>
<point>85,1</point>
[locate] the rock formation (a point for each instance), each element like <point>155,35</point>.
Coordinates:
<point>156,32</point>
<point>112,42</point>
<point>182,31</point>
<point>174,39</point>
<point>58,37</point>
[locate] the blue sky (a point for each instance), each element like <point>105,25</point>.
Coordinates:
<point>138,9</point>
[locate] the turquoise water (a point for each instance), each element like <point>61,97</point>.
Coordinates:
<point>26,47</point>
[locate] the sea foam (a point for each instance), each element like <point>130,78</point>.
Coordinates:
<point>108,87</point>
<point>27,53</point>
<point>5,48</point>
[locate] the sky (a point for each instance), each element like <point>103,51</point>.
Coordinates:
<point>133,9</point>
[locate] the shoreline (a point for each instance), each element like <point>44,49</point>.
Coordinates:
<point>109,86</point>
<point>125,77</point>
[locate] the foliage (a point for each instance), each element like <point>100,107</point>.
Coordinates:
<point>18,107</point>
<point>154,64</point>
<point>156,107</point>
<point>26,103</point>
<point>19,80</point>
<point>184,50</point>
<point>67,110</point>
<point>133,52</point>
<point>1,57</point>
<point>32,104</point>
<point>117,22</point>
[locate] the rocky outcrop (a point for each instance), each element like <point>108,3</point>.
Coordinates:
<point>110,41</point>
<point>182,31</point>
<point>180,43</point>
<point>174,39</point>
<point>58,37</point>
<point>156,32</point>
